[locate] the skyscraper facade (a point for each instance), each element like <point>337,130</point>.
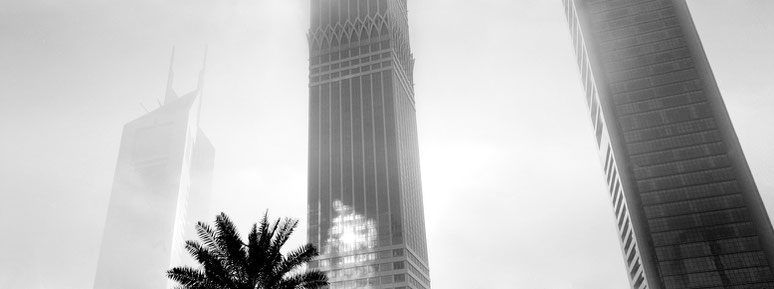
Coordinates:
<point>161,187</point>
<point>365,196</point>
<point>688,212</point>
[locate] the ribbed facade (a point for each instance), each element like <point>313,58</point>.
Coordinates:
<point>364,195</point>
<point>688,211</point>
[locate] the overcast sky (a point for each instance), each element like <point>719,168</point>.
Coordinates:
<point>513,190</point>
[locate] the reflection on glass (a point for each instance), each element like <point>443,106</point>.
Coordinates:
<point>350,232</point>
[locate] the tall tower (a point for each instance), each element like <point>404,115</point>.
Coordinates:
<point>161,188</point>
<point>688,212</point>
<point>365,195</point>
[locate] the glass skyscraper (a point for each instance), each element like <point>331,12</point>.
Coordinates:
<point>161,188</point>
<point>364,196</point>
<point>688,212</point>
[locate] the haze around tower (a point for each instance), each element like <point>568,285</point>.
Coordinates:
<point>510,175</point>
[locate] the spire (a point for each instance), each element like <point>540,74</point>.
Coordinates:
<point>200,86</point>
<point>170,95</point>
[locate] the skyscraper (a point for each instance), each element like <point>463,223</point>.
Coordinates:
<point>161,188</point>
<point>365,195</point>
<point>687,209</point>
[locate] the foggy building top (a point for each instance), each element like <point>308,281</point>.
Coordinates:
<point>161,188</point>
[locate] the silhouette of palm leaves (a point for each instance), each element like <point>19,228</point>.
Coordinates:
<point>228,263</point>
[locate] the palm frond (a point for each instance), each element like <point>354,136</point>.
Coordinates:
<point>228,239</point>
<point>190,278</point>
<point>280,238</point>
<point>269,235</point>
<point>208,236</point>
<point>186,276</point>
<point>213,266</point>
<point>295,259</point>
<point>228,263</point>
<point>312,279</point>
<point>288,226</point>
<point>265,247</point>
<point>255,256</point>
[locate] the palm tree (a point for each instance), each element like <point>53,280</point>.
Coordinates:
<point>228,263</point>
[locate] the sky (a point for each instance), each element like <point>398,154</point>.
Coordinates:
<point>514,193</point>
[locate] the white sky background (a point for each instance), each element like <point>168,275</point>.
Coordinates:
<point>514,193</point>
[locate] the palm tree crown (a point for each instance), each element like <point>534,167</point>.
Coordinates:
<point>228,263</point>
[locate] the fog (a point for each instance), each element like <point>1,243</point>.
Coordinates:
<point>514,193</point>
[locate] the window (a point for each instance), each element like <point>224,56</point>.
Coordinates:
<point>400,278</point>
<point>639,281</point>
<point>618,206</point>
<point>621,216</point>
<point>625,229</point>
<point>629,239</point>
<point>636,267</point>
<point>599,130</point>
<point>387,279</point>
<point>385,267</point>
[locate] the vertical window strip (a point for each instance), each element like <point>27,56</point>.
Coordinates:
<point>622,216</point>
